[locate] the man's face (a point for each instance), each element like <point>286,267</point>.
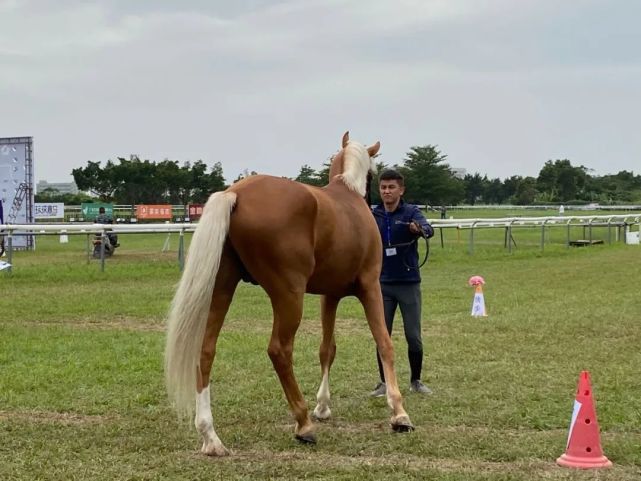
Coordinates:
<point>390,191</point>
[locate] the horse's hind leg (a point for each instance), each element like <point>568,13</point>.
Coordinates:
<point>226,281</point>
<point>327,353</point>
<point>288,310</point>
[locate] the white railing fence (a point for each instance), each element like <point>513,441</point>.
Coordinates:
<point>623,224</point>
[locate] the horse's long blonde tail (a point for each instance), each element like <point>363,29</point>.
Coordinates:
<point>190,308</point>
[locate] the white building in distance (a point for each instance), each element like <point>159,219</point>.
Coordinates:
<point>62,187</point>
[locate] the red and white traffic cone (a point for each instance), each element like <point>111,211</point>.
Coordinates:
<point>583,449</point>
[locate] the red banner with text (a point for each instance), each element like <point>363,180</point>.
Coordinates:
<point>195,211</point>
<point>153,211</point>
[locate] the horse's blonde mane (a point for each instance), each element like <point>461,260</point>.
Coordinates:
<point>356,165</point>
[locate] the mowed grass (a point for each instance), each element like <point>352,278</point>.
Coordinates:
<point>82,395</point>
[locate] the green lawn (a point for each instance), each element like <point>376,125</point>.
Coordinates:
<point>81,383</point>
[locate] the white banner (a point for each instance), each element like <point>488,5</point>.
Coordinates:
<point>55,210</point>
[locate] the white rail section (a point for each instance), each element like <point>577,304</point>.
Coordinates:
<point>11,230</point>
<point>618,221</point>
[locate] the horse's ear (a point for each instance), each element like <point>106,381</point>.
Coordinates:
<point>372,150</point>
<point>345,139</point>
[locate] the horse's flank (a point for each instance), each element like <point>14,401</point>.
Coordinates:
<point>306,230</point>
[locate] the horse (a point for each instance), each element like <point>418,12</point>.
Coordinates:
<point>291,239</point>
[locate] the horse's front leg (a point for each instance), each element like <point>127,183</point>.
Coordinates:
<point>372,300</point>
<point>327,353</point>
<point>288,310</point>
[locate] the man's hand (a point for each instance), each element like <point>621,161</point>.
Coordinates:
<point>415,228</point>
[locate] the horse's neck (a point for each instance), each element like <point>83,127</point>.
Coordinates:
<point>337,167</point>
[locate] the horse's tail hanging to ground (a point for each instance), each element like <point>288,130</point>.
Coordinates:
<point>190,307</point>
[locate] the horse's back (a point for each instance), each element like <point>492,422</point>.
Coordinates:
<point>271,230</point>
<point>320,239</point>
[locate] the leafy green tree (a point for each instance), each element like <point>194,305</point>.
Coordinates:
<point>323,174</point>
<point>102,182</point>
<point>135,181</point>
<point>216,180</point>
<point>309,176</point>
<point>428,179</point>
<point>374,190</point>
<point>493,192</point>
<point>510,187</point>
<point>525,191</point>
<point>562,181</point>
<point>474,186</point>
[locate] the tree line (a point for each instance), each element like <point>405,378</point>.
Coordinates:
<point>429,180</point>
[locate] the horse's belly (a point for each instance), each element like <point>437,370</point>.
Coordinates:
<point>334,279</point>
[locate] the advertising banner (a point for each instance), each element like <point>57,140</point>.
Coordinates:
<point>48,210</point>
<point>90,210</point>
<point>153,211</point>
<point>16,185</point>
<point>195,211</point>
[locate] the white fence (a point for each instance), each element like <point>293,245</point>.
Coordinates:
<point>11,230</point>
<point>622,223</point>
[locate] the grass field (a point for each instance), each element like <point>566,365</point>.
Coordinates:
<point>82,395</point>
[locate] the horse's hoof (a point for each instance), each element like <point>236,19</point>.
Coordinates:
<point>402,428</point>
<point>402,425</point>
<point>211,449</point>
<point>309,438</point>
<point>321,415</point>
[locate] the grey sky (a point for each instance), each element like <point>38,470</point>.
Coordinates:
<point>500,86</point>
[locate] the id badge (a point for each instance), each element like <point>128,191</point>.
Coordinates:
<point>390,251</point>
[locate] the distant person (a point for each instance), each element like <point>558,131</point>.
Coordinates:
<point>400,225</point>
<point>561,210</point>
<point>104,218</point>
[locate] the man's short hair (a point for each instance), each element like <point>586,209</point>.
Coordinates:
<point>101,210</point>
<point>391,174</point>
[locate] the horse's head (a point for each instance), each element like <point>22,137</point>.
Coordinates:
<point>353,162</point>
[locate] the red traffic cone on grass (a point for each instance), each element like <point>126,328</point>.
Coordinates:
<point>583,449</point>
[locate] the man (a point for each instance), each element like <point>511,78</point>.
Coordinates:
<point>103,218</point>
<point>401,225</point>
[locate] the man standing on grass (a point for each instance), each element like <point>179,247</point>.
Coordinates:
<point>401,225</point>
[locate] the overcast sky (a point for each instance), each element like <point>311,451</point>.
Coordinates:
<point>500,86</point>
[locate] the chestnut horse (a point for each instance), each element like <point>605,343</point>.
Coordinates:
<point>291,239</point>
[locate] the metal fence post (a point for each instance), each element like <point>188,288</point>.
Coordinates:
<point>471,248</point>
<point>10,250</point>
<point>509,237</point>
<point>103,236</point>
<point>181,250</point>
